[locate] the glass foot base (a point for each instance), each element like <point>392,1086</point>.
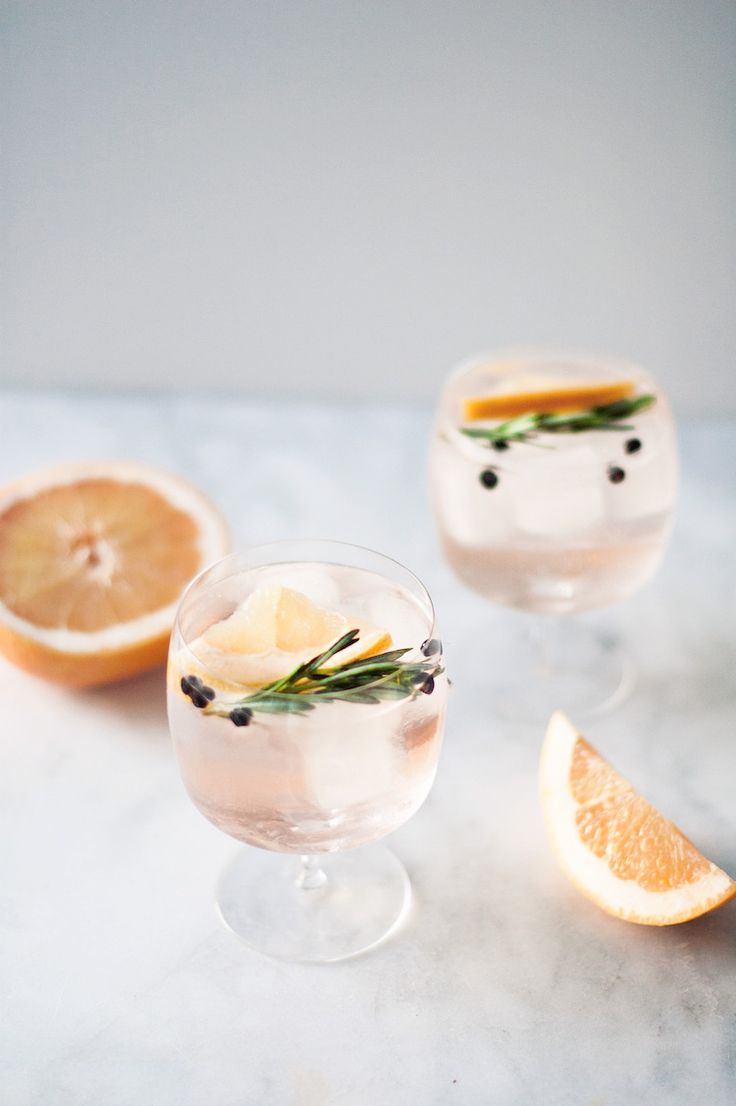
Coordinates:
<point>562,664</point>
<point>340,905</point>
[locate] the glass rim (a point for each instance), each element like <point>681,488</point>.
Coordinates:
<point>293,543</point>
<point>546,352</point>
<point>447,422</point>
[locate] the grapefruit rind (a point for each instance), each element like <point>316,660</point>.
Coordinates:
<point>79,659</point>
<point>592,876</point>
<point>576,397</point>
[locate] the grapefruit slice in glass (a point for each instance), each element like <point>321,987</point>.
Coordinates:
<point>273,631</point>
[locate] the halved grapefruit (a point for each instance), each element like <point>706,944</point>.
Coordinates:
<point>93,560</point>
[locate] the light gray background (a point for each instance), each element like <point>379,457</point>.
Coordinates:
<point>311,198</point>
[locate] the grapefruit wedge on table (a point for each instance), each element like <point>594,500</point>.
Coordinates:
<point>93,560</point>
<point>614,845</point>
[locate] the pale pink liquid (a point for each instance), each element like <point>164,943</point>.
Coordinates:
<point>555,535</point>
<point>337,777</point>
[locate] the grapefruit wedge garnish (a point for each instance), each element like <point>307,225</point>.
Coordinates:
<point>614,845</point>
<point>93,560</point>
<point>575,397</point>
<point>274,630</point>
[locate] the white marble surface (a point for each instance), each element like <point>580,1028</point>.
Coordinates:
<point>118,983</point>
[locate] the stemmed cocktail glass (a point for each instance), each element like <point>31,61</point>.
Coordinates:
<point>306,698</point>
<point>553,481</point>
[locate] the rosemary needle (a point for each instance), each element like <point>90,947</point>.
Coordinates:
<point>525,428</point>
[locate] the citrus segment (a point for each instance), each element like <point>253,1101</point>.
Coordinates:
<point>93,559</point>
<point>547,401</point>
<point>63,552</point>
<point>614,845</point>
<point>302,625</point>
<point>274,630</point>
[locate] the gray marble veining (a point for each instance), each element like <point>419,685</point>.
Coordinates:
<point>504,986</point>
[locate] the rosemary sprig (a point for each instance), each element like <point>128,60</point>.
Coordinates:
<point>525,428</point>
<point>368,680</point>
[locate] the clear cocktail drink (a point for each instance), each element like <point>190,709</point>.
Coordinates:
<point>333,778</point>
<point>306,698</point>
<point>552,519</point>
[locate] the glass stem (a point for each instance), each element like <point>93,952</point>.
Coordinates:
<point>312,874</point>
<point>546,637</point>
<point>543,636</point>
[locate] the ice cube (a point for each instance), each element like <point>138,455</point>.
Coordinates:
<point>315,581</point>
<point>562,498</point>
<point>648,488</point>
<point>393,611</point>
<point>349,760</point>
<point>471,514</point>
